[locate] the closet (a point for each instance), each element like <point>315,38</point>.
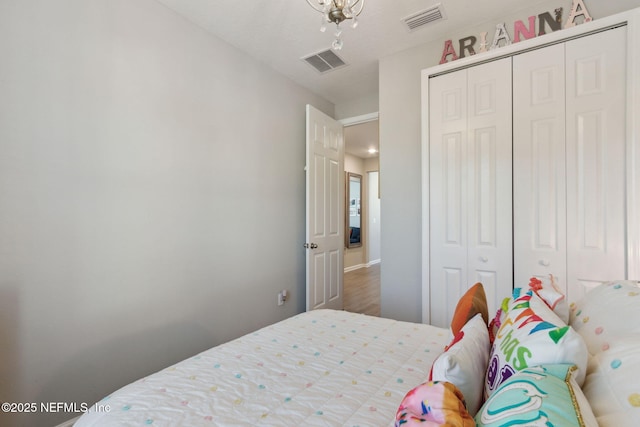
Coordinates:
<point>526,171</point>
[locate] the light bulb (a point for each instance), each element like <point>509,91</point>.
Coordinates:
<point>354,24</point>
<point>337,44</point>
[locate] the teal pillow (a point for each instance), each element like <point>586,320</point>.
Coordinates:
<point>544,395</point>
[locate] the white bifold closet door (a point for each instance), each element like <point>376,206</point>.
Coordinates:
<point>539,173</point>
<point>569,162</point>
<point>470,186</point>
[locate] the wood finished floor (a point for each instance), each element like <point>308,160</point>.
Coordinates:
<point>362,290</point>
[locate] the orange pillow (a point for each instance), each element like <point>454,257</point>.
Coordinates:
<point>474,301</point>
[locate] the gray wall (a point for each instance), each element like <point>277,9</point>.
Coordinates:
<point>400,154</point>
<point>357,107</point>
<point>151,196</point>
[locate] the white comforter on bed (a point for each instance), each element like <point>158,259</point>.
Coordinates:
<point>320,368</point>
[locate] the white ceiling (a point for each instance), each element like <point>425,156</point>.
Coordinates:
<point>281,32</point>
<point>360,138</point>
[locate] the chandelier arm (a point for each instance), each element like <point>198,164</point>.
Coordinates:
<point>361,7</point>
<point>316,6</point>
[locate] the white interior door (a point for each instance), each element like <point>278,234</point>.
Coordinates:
<point>325,208</point>
<point>596,111</point>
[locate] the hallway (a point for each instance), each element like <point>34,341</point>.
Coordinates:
<point>362,290</point>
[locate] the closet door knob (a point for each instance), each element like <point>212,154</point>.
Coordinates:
<point>544,262</point>
<point>484,259</point>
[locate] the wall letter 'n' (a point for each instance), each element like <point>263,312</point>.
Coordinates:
<point>519,28</point>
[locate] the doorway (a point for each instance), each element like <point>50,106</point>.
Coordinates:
<point>361,279</point>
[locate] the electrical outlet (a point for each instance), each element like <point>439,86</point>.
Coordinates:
<point>280,298</point>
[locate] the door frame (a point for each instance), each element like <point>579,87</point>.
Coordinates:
<point>358,120</point>
<point>629,18</point>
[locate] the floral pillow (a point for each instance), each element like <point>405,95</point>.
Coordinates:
<point>433,404</point>
<point>545,395</point>
<point>464,362</point>
<point>606,311</point>
<point>531,334</point>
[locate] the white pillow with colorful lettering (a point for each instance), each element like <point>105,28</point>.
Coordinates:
<point>530,335</point>
<point>548,290</point>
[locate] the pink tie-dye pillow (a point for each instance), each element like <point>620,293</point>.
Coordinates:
<point>431,404</point>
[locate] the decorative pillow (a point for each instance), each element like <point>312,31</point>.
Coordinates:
<point>612,384</point>
<point>496,322</point>
<point>549,292</point>
<point>531,334</point>
<point>474,301</point>
<point>606,311</point>
<point>544,395</point>
<point>433,404</point>
<point>465,361</point>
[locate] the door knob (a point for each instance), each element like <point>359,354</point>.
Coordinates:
<point>544,262</point>
<point>484,259</point>
<point>314,246</point>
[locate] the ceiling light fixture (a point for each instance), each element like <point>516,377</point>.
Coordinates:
<point>337,11</point>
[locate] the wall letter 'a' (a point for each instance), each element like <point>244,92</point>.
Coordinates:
<point>501,34</point>
<point>577,9</point>
<point>448,50</point>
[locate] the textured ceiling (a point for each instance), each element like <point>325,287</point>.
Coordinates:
<point>280,32</point>
<point>360,138</point>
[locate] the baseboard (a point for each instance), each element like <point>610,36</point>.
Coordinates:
<point>68,423</point>
<point>354,267</point>
<point>359,266</point>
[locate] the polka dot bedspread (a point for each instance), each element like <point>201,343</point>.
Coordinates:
<point>320,368</point>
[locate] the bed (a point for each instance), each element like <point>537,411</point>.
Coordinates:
<point>539,361</point>
<point>323,367</point>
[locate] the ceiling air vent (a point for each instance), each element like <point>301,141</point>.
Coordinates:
<point>325,61</point>
<point>422,18</point>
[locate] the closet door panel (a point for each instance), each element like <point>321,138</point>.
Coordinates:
<point>596,103</point>
<point>539,183</point>
<point>489,209</point>
<point>448,140</point>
